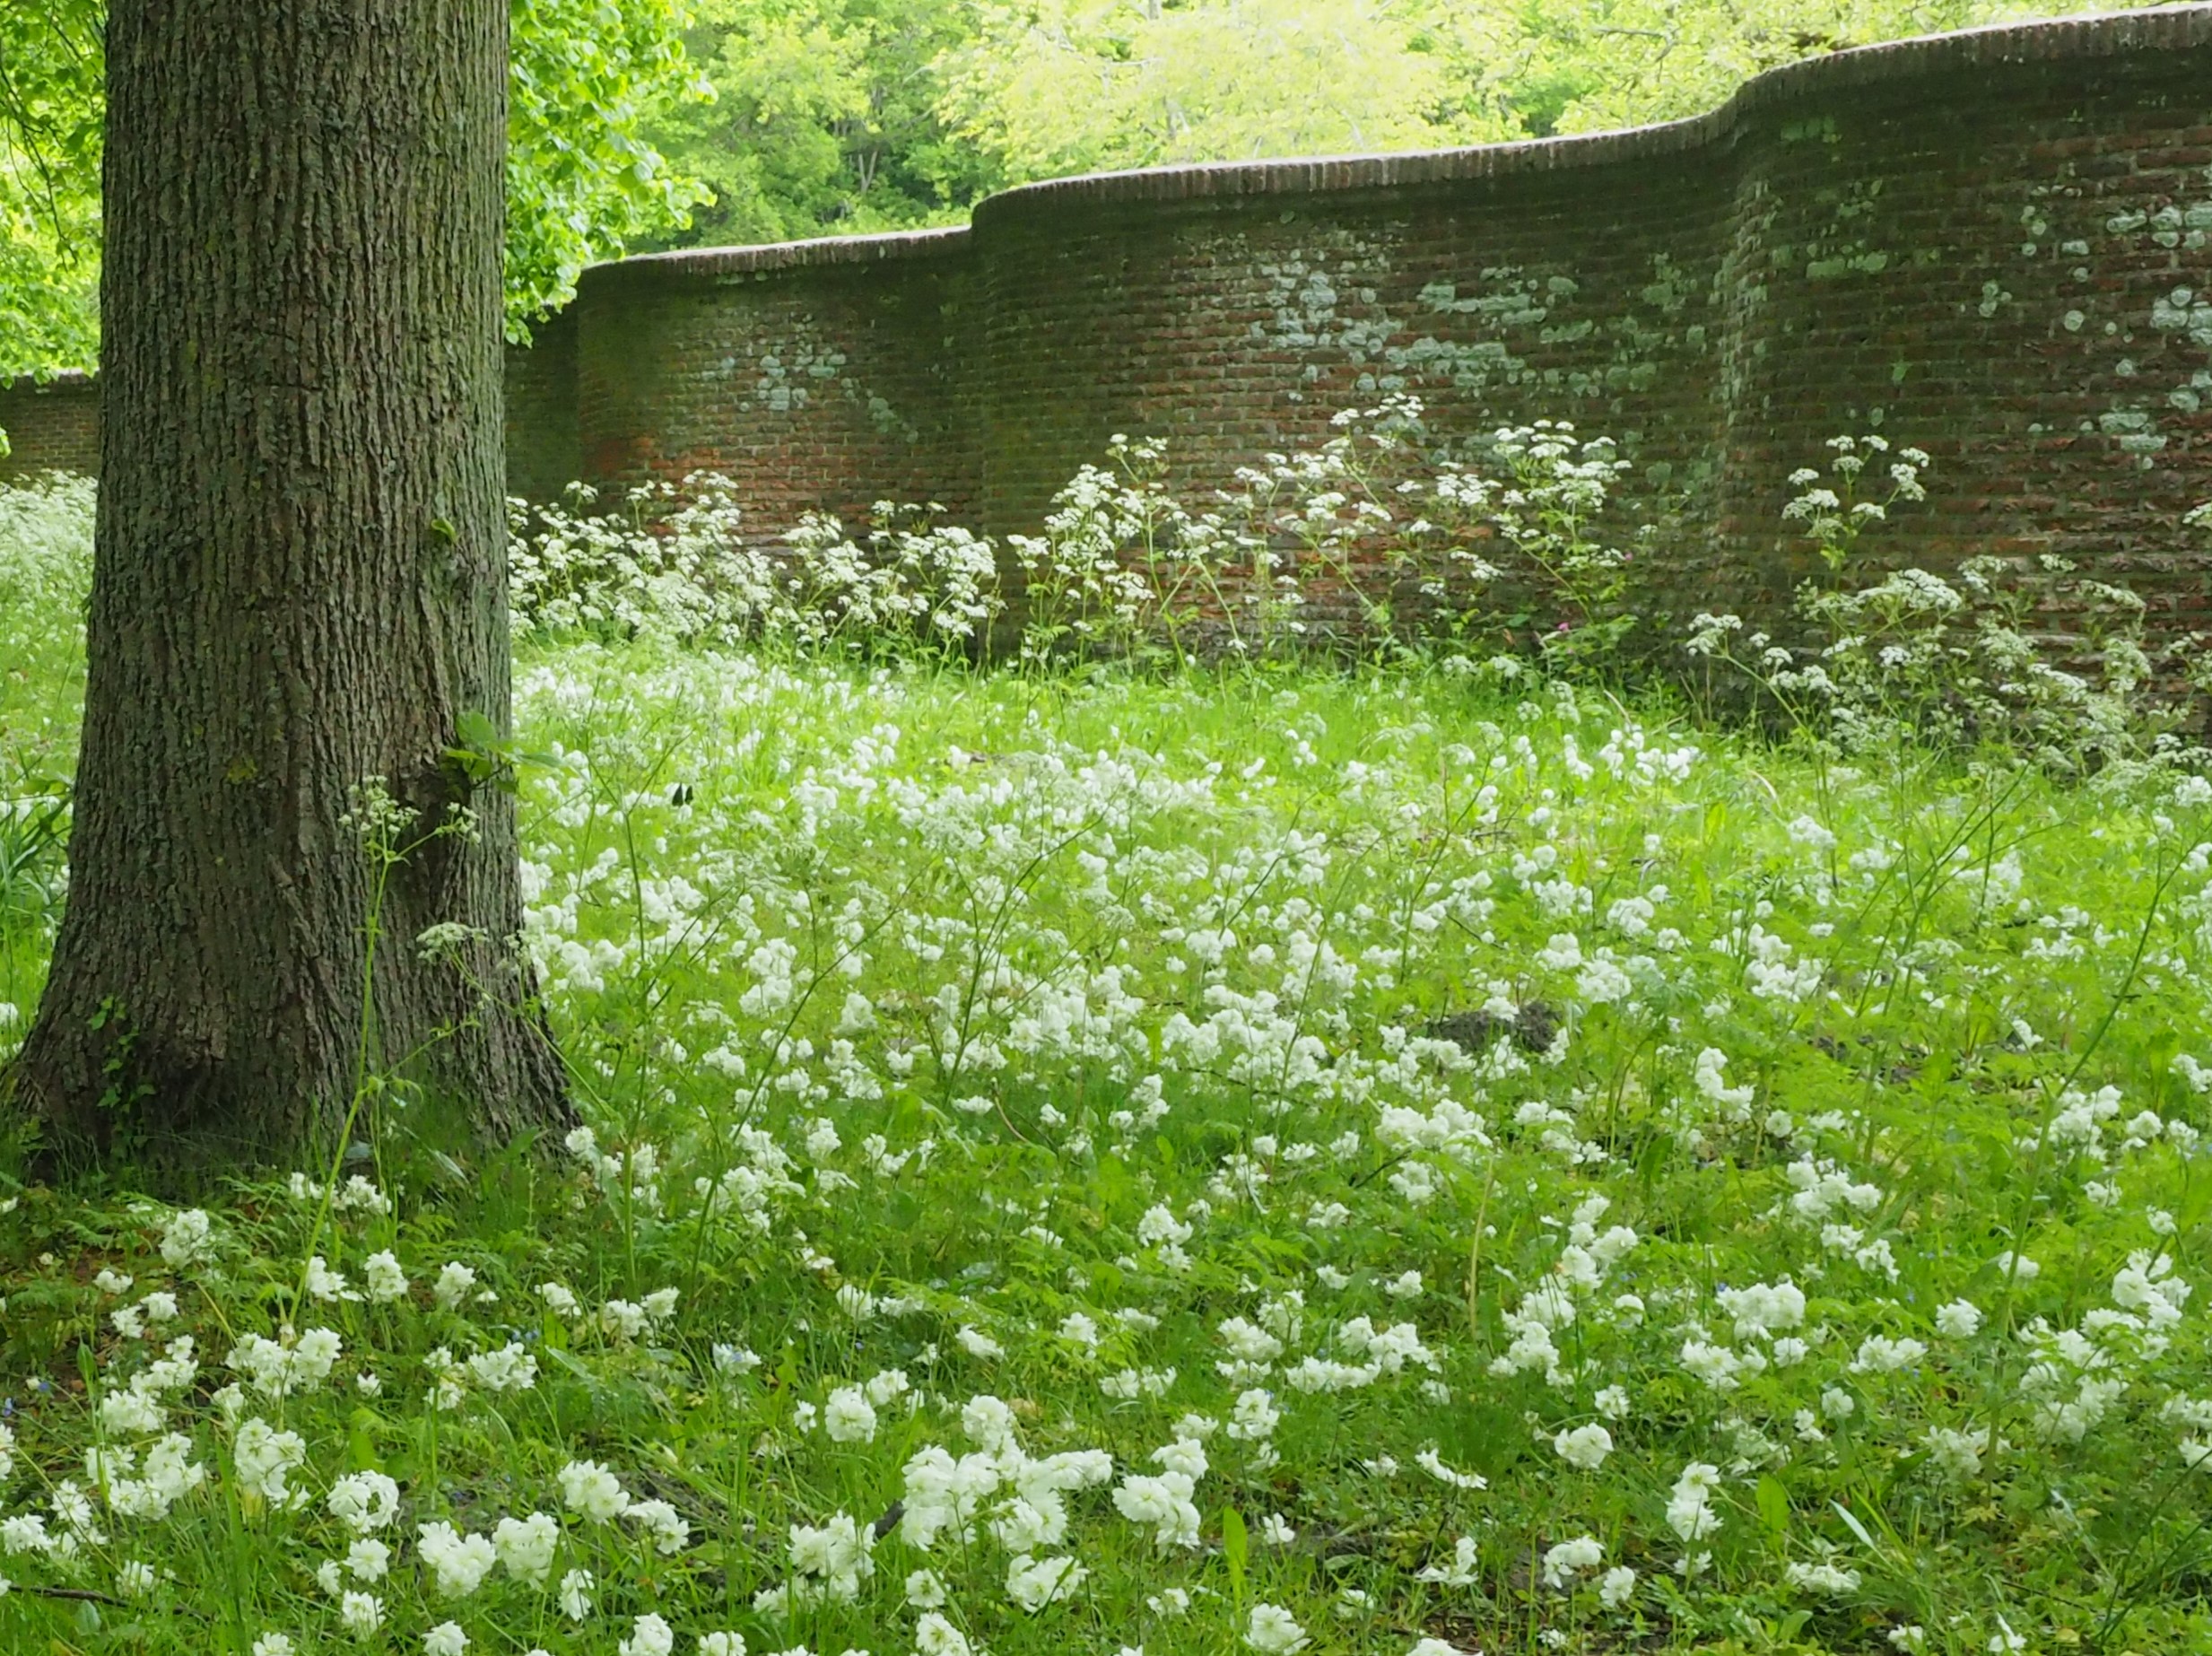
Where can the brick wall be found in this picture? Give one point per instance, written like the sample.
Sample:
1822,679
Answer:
823,376
544,455
1995,244
54,427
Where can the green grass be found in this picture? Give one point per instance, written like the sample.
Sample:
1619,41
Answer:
1369,1078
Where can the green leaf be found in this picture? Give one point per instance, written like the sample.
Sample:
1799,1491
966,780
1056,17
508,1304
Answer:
1773,1502
1852,1523
1235,1547
360,1441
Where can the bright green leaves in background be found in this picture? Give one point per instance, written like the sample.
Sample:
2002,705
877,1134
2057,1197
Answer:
662,123
828,120
1591,66
49,183
840,117
589,82
1073,85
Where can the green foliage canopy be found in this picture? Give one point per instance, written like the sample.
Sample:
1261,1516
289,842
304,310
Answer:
847,116
828,117
589,80
49,183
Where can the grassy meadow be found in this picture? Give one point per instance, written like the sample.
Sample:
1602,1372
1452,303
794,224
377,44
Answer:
1397,1158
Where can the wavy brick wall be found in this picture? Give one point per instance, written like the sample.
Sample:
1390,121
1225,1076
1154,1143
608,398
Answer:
1997,245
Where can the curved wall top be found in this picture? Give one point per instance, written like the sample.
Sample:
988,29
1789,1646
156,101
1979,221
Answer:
1992,244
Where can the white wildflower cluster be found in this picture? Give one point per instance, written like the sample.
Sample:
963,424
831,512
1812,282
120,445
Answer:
1056,1139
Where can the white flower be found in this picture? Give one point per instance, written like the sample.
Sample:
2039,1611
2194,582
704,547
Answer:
669,1531
361,1614
936,1637
1164,1503
1253,1418
1615,1586
1460,1572
364,1501
978,1344
323,1283
1960,1319
1689,1508
575,1595
1568,1559
887,1386
187,1239
1764,1307
273,1644
510,1368
382,1277
588,1488
1586,1447
459,1561
721,1644
1958,1453
454,1284
1880,1354
1830,1579
849,1417
649,1635
1433,1463
277,1368
1034,1582
446,1639
264,1457
526,1547
1273,1631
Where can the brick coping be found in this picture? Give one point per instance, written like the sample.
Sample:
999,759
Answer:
60,379
2107,35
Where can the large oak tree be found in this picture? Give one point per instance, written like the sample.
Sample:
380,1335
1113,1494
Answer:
299,590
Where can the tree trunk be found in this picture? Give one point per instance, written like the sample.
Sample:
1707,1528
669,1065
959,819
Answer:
298,587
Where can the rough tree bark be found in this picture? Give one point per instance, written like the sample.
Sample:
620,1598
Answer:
299,584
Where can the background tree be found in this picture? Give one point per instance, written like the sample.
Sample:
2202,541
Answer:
854,115
49,186
299,588
590,81
1071,86
826,120
1590,65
